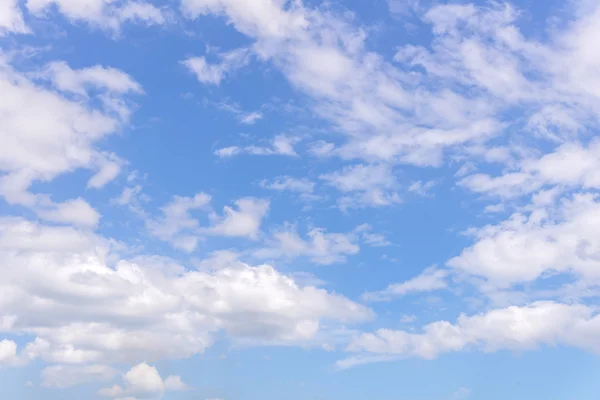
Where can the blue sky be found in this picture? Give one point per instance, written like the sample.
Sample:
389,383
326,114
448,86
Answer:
286,199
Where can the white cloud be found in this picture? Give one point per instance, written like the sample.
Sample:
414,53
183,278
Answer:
264,17
370,238
513,328
226,152
78,81
85,305
280,145
288,183
422,188
369,185
548,170
76,212
108,169
320,246
107,14
139,11
251,118
60,139
243,222
214,73
175,384
143,379
176,225
64,376
366,98
8,352
404,7
11,18
113,391
551,238
130,197
430,280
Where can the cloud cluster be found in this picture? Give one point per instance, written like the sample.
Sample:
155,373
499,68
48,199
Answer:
513,328
177,226
82,304
517,115
63,136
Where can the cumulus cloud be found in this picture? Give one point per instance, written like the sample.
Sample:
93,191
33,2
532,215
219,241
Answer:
84,305
243,222
513,328
144,381
551,238
8,352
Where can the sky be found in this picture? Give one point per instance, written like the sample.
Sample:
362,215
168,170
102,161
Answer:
299,200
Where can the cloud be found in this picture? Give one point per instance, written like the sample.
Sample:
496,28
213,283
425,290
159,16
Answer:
144,381
175,384
291,184
404,7
62,137
176,225
513,328
376,106
214,73
76,212
83,304
320,246
367,185
551,238
430,280
11,18
280,145
65,376
78,81
243,222
105,14
422,188
547,170
370,238
251,118
8,352
109,168
130,197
